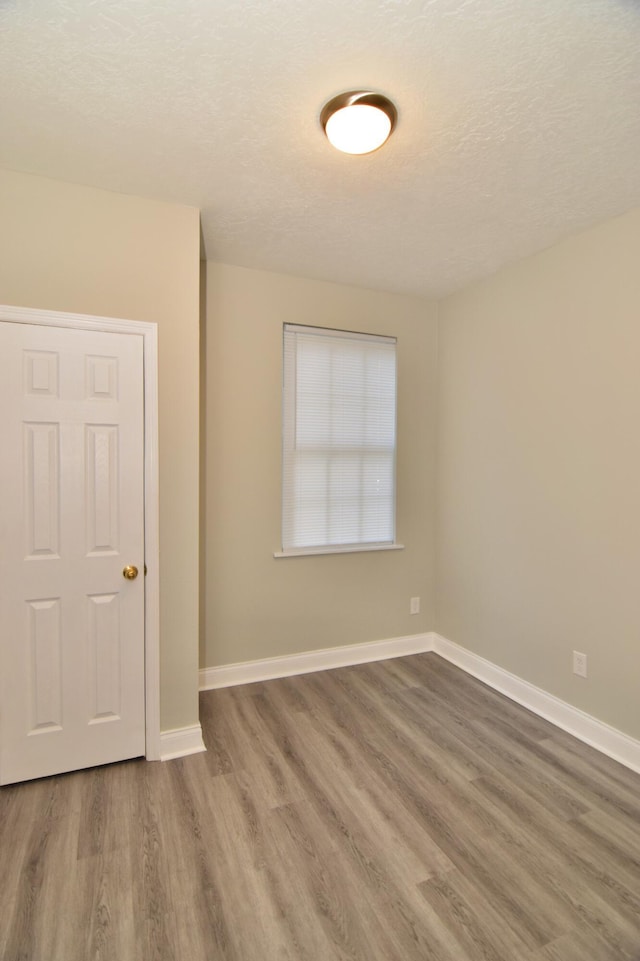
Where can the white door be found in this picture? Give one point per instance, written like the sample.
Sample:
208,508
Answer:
71,520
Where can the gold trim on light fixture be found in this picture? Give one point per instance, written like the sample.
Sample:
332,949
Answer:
359,98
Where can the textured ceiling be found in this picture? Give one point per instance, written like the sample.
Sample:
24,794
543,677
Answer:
519,122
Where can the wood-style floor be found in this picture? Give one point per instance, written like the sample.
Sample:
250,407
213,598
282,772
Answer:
397,811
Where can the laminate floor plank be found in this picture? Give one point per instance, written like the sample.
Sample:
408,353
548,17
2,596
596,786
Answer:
516,888
390,828
581,945
309,898
371,777
408,725
325,881
425,801
566,844
577,890
475,696
213,718
457,825
400,670
402,747
476,923
196,834
592,788
380,723
598,787
174,884
247,900
611,833
20,807
397,811
287,694
490,745
32,914
257,751
375,838
364,915
612,771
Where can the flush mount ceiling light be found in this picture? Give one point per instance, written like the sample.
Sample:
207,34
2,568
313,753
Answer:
358,122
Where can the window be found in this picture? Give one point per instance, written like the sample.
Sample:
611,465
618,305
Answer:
339,441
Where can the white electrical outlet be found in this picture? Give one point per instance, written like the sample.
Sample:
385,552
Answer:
579,664
414,605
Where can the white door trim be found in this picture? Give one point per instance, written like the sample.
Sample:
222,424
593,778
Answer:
149,332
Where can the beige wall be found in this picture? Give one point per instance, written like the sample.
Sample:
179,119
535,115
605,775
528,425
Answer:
257,606
538,523
70,248
538,532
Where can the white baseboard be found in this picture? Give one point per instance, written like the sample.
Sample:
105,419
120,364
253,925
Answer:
608,740
247,672
181,742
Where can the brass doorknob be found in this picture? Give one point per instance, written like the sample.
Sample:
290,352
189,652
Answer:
130,572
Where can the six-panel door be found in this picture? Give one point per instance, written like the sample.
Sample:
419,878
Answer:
71,519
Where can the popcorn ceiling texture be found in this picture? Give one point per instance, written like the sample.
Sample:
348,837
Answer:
519,122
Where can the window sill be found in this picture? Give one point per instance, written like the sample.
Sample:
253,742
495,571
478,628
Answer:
338,549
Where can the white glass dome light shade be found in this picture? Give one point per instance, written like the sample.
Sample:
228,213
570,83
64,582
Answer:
358,128
358,122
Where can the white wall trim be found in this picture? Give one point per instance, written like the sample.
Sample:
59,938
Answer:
181,742
346,549
604,738
608,740
149,333
246,672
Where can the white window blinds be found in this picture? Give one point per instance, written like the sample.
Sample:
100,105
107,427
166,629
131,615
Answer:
339,439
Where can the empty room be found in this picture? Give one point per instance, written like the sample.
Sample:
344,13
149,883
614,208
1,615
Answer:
319,474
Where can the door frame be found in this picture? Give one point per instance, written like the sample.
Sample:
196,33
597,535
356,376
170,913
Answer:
149,333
